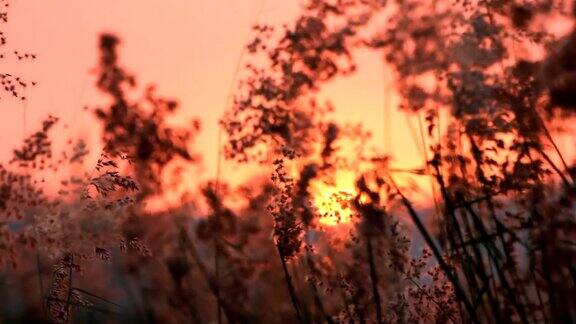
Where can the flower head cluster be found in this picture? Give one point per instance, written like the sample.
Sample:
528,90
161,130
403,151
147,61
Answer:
287,229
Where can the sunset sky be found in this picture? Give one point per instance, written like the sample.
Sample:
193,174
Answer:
190,49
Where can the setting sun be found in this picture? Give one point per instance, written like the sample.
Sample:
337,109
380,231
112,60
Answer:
332,198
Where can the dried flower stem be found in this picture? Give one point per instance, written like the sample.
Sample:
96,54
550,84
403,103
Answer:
291,290
374,280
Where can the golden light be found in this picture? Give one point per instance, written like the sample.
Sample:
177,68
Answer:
333,198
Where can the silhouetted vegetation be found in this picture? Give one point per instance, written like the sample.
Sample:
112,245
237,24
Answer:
495,245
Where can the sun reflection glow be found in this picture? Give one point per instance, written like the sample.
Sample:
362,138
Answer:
333,198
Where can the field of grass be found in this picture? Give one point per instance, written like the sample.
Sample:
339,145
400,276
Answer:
327,231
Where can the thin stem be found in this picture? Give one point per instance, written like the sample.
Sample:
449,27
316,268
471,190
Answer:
40,282
217,276
191,248
69,297
374,280
291,290
315,292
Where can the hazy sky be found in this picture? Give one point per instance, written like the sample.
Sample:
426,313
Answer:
189,48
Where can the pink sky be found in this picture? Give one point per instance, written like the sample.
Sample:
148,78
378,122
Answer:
188,48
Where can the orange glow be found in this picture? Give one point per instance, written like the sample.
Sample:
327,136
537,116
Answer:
333,199
200,73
